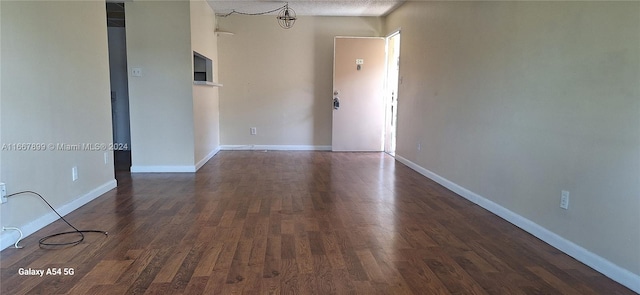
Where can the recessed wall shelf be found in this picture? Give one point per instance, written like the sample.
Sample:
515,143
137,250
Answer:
202,70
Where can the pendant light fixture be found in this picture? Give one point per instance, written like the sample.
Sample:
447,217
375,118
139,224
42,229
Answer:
286,17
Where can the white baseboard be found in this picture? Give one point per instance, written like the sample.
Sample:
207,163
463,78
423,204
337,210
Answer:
207,158
163,169
8,238
276,147
175,169
602,265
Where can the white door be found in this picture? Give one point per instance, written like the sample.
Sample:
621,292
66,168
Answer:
358,84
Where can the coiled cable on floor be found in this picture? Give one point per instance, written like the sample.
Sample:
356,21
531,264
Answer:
43,242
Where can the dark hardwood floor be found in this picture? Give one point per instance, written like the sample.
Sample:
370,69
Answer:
295,223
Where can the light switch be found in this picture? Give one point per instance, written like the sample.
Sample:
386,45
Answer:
136,72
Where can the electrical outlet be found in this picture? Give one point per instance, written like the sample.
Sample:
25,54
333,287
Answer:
564,200
74,173
136,72
3,193
106,158
419,146
253,130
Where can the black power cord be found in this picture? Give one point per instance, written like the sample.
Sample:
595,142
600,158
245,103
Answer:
42,242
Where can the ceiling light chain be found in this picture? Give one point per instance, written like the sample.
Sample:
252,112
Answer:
286,16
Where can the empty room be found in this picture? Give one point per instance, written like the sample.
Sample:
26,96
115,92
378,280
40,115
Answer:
319,147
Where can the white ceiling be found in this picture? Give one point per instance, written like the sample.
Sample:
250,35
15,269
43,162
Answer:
310,7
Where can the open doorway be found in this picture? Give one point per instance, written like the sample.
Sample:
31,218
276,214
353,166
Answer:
391,92
119,85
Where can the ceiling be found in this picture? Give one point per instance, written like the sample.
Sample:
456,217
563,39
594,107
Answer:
310,7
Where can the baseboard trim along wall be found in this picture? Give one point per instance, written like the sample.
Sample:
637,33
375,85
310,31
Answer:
194,168
8,238
163,169
175,169
276,147
609,269
207,158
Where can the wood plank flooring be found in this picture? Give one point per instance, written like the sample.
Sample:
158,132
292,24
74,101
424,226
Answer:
253,222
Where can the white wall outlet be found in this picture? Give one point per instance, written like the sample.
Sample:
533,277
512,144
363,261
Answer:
74,173
3,193
106,158
419,146
136,72
564,200
253,130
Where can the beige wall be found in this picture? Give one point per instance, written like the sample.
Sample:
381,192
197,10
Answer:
55,78
516,101
161,103
280,81
174,124
205,98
